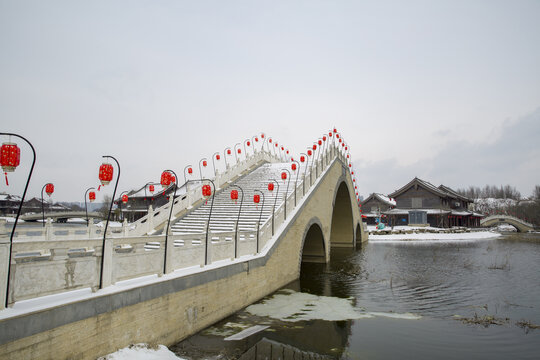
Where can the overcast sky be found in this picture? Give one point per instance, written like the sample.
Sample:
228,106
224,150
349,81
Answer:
445,90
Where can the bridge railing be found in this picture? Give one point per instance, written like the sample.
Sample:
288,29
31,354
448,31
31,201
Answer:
57,263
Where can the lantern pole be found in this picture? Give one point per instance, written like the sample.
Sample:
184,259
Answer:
263,139
245,149
311,167
208,225
287,191
275,202
185,177
42,206
253,138
260,217
120,203
237,220
200,170
304,175
107,223
213,163
236,151
296,182
169,220
325,155
18,211
86,205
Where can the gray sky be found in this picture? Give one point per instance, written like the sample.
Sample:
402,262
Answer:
445,90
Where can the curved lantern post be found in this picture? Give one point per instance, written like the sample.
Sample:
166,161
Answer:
304,158
325,154
216,157
50,190
260,216
285,177
121,201
271,188
86,204
263,140
226,152
108,218
208,224
189,169
248,143
20,207
237,151
170,214
310,153
237,220
295,166
204,164
254,139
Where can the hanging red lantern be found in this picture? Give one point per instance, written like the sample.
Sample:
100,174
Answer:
354,180
348,156
314,147
190,170
270,141
256,139
324,138
105,173
206,191
309,152
350,165
124,198
10,157
302,158
239,151
355,187
49,189
282,148
352,172
166,179
337,136
284,176
270,186
276,144
293,167
218,157
256,198
151,188
262,136
173,179
287,152
204,163
248,143
346,148
92,196
320,142
335,130
330,134
234,194
342,144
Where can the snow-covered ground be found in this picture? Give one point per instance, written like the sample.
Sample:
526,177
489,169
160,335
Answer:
427,237
142,352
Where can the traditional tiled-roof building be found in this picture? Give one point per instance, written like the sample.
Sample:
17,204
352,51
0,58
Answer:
374,206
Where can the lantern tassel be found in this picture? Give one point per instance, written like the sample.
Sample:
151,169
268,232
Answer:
7,183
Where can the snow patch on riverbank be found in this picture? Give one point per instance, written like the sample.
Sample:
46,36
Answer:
142,352
427,237
292,306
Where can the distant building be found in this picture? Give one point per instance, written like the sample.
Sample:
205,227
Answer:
9,204
375,205
422,203
139,200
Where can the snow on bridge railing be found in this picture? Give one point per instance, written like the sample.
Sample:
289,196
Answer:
56,263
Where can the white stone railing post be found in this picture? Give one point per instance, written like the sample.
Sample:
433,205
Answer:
169,266
150,220
107,253
4,266
49,233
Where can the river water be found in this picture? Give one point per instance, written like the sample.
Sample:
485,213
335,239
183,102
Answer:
474,299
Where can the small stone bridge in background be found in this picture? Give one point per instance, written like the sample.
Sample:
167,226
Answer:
61,216
519,224
161,287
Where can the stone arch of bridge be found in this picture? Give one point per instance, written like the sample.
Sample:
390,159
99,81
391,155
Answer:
505,220
342,230
358,234
313,243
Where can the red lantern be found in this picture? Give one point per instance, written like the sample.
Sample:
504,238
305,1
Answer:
346,148
354,180
302,158
347,156
340,140
124,198
287,152
234,194
270,186
190,171
256,199
352,172
256,139
270,141
284,176
173,179
229,152
10,157
204,163
342,144
92,196
335,130
324,138
314,147
248,143
337,135
49,189
330,134
320,142
166,179
355,187
151,188
239,151
218,157
350,165
105,173
282,148
206,191
293,167
309,152
276,144
262,136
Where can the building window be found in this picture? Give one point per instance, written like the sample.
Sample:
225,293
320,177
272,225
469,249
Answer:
416,203
417,217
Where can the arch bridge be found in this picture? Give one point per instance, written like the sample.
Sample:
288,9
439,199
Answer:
519,224
217,257
61,216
